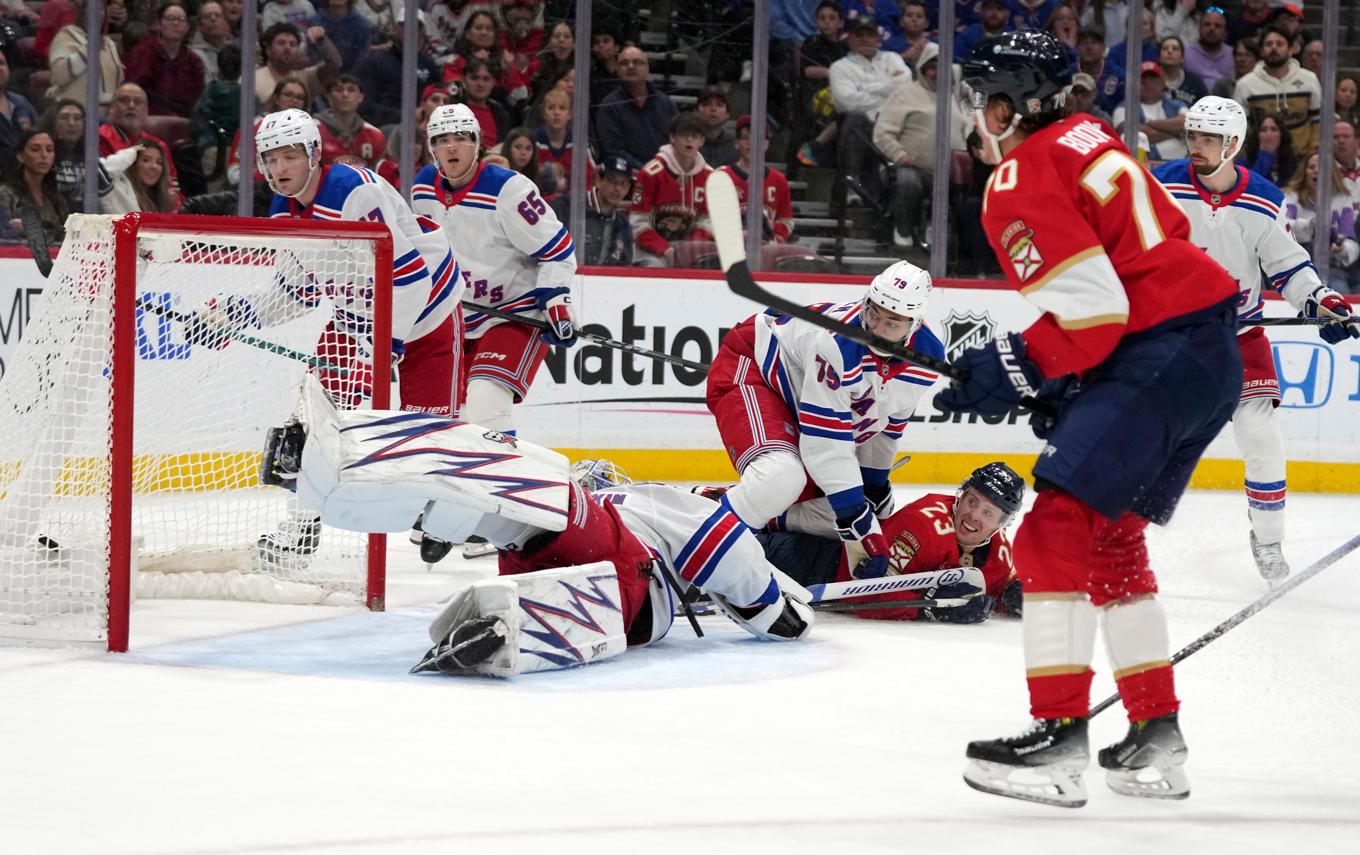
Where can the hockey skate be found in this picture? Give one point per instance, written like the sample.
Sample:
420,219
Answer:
1270,560
1043,763
476,547
1148,761
291,547
469,644
432,549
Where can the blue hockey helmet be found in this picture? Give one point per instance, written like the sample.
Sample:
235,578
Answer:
1000,485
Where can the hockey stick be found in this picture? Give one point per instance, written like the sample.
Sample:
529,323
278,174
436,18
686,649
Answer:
36,236
888,584
247,338
834,607
1204,640
592,337
1288,322
725,211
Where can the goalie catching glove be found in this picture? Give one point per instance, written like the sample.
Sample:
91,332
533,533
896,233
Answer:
1326,303
556,306
866,550
218,321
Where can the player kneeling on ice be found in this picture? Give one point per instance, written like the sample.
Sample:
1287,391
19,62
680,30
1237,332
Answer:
805,412
935,532
589,564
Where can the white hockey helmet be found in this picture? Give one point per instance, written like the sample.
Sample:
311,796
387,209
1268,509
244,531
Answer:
283,129
1222,117
903,289
452,119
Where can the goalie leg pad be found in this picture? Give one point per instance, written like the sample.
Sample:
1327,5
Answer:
545,620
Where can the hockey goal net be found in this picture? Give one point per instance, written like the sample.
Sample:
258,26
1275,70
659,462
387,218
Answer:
130,442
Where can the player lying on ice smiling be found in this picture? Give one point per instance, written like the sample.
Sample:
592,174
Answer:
589,564
934,532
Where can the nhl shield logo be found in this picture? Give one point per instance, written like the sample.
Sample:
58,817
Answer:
964,330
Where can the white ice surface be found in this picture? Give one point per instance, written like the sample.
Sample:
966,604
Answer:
288,729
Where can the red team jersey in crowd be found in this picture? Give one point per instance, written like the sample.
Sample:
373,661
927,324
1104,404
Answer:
778,199
921,539
1101,275
669,204
367,145
112,139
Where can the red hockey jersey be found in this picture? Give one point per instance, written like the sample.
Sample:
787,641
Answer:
362,146
921,539
668,202
778,201
1094,242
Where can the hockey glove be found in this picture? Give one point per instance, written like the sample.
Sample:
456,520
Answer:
866,550
998,376
881,499
1326,303
1013,598
561,319
215,323
1059,392
974,612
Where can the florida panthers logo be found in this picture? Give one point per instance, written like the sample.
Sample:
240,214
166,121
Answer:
1018,242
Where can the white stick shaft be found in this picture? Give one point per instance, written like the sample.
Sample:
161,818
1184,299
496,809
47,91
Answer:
889,584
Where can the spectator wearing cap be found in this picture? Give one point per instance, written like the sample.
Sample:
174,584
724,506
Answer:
211,34
1279,84
1081,98
1209,56
905,135
608,238
1184,86
346,29
284,56
720,145
860,86
1091,61
994,18
778,207
345,136
163,65
1289,18
1249,21
1111,23
1160,116
552,141
1246,53
380,71
668,198
17,116
633,120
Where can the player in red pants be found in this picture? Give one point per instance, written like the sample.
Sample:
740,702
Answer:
1145,372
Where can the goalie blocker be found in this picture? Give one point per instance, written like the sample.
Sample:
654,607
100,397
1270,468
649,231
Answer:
583,575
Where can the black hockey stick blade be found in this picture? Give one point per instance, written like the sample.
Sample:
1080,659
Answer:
853,606
589,336
36,236
1287,322
1207,638
725,211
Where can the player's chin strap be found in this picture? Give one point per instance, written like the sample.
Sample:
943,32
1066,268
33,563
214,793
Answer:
991,140
1228,156
312,167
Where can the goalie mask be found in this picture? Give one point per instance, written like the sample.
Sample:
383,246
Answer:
284,129
600,474
1029,69
1220,117
896,302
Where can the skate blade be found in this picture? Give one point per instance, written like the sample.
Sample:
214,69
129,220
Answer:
1046,785
478,550
1150,782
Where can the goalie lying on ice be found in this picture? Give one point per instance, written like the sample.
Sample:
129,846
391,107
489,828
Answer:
590,563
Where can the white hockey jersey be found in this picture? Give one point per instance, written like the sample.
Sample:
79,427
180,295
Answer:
426,285
512,250
1247,232
852,406
699,541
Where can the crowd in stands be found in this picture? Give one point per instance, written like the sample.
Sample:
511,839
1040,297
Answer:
852,88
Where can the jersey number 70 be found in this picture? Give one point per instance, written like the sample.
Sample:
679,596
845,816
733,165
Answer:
1099,180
